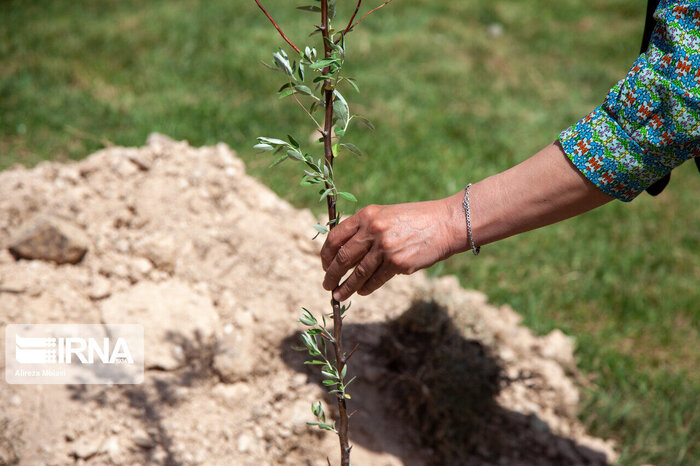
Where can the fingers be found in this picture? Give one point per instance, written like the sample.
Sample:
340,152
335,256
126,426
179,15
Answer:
336,238
349,255
363,271
382,275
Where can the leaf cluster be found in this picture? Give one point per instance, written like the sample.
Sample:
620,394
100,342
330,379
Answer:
318,90
315,340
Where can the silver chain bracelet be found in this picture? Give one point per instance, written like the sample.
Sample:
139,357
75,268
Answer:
465,205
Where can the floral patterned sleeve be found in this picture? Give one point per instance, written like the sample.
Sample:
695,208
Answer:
649,122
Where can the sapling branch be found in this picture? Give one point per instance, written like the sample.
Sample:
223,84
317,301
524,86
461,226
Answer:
352,18
294,94
367,14
277,27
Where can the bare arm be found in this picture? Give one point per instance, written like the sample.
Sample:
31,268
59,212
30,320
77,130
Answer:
382,241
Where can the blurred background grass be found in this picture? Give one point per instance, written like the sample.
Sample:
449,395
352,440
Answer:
458,91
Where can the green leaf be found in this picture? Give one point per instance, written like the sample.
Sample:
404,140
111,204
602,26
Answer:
334,149
344,371
309,180
308,315
269,66
263,147
365,121
325,194
310,8
320,228
310,162
278,161
293,141
341,109
273,141
324,62
309,53
322,426
282,62
304,90
346,395
347,196
352,148
301,71
339,131
295,154
314,361
329,383
286,93
353,83
306,321
328,374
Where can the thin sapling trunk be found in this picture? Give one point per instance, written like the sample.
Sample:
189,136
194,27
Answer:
322,94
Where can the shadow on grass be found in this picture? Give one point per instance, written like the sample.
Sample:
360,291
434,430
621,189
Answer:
427,395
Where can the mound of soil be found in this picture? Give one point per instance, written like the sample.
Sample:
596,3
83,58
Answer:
216,268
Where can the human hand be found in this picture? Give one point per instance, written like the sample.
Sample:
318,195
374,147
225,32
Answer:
383,241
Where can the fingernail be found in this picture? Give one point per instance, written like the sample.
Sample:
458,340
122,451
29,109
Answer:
336,296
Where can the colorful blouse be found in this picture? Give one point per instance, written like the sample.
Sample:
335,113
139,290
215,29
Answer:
649,122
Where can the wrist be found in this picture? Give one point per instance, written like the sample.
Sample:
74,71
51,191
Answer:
455,224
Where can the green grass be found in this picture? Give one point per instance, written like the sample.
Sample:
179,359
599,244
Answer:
451,104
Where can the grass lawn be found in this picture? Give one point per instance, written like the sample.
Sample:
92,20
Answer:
453,102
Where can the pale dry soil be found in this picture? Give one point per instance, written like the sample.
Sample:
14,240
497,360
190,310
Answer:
216,268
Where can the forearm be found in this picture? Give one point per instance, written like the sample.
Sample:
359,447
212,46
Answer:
382,241
544,189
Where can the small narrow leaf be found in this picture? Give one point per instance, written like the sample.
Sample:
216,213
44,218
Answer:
310,8
304,90
325,194
263,147
269,66
306,321
293,141
340,109
321,229
286,93
282,62
273,141
309,180
347,196
365,121
295,154
353,83
278,161
352,148
320,64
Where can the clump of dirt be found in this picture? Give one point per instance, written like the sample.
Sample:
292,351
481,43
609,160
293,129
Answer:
216,268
